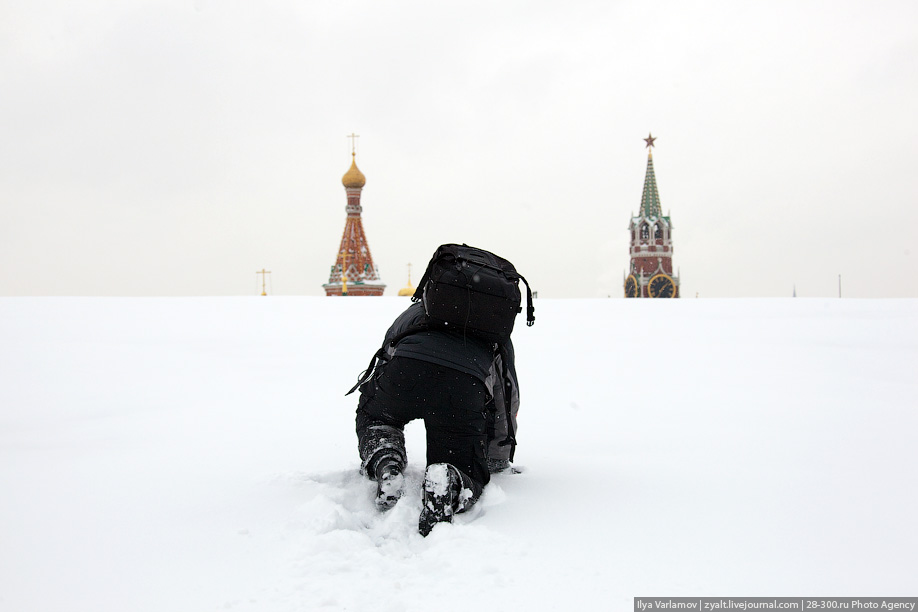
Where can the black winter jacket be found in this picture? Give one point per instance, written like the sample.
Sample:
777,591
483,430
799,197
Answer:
468,354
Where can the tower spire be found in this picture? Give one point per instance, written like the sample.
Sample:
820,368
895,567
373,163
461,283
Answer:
651,251
650,198
354,272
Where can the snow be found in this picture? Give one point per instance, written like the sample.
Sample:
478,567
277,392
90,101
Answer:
199,454
436,479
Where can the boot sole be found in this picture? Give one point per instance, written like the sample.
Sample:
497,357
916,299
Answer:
438,498
389,490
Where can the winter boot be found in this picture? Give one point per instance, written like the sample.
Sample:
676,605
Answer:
442,487
390,482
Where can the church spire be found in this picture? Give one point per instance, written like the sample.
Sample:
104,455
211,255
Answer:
650,199
354,272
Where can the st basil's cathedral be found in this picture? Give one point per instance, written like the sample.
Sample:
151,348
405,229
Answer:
354,273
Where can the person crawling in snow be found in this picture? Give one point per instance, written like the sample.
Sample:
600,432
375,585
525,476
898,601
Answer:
463,385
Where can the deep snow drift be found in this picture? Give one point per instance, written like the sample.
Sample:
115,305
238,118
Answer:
199,454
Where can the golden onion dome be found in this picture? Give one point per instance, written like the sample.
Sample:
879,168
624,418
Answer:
354,178
409,289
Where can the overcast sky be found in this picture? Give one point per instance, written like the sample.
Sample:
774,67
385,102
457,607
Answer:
176,147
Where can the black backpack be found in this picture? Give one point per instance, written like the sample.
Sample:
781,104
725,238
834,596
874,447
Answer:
473,291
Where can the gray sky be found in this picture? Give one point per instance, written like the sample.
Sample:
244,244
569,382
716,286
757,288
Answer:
176,147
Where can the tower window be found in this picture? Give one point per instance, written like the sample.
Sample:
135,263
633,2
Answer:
645,232
657,232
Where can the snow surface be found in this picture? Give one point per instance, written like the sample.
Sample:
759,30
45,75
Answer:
199,454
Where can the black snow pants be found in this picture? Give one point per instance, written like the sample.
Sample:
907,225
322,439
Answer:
452,405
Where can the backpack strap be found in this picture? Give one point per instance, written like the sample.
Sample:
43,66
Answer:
381,354
508,390
365,375
419,292
530,309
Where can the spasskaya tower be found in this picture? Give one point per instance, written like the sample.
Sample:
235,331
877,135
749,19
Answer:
651,269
